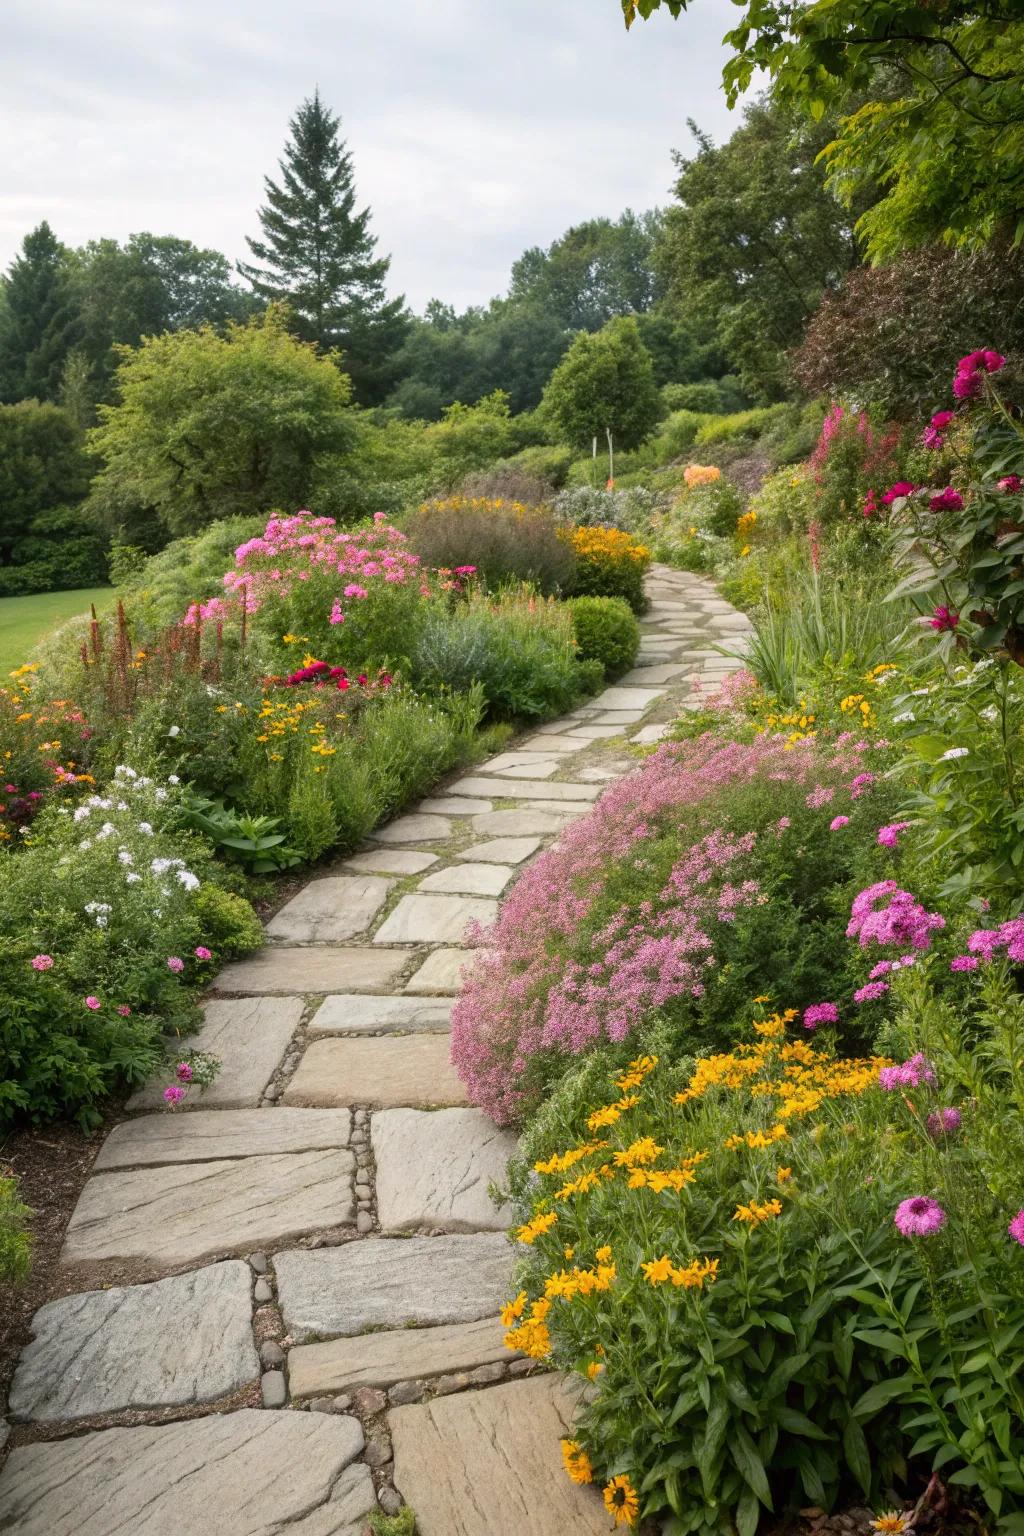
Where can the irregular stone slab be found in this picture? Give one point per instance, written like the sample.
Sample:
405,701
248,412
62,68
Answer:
479,1463
628,698
652,733
567,811
208,1134
560,744
406,1069
527,823
163,1218
511,790
414,829
621,717
607,775
392,861
433,1170
665,673
471,879
434,919
440,972
598,732
534,765
392,1282
451,805
181,1341
381,1359
276,970
249,1473
501,850
351,1014
556,727
250,1036
330,911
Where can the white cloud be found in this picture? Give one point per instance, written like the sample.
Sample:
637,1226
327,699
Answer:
478,127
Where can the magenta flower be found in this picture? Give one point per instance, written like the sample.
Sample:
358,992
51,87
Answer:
915,1073
202,953
820,1013
173,1093
1010,484
870,506
881,969
901,488
901,921
183,1072
92,1002
964,963
943,1122
175,964
871,992
860,783
946,501
337,617
837,822
42,963
1016,1228
966,386
355,590
889,836
941,420
919,1217
124,1010
944,618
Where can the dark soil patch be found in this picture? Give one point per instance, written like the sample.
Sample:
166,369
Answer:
51,1164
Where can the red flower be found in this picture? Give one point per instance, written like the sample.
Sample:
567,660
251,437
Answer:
901,488
946,501
944,619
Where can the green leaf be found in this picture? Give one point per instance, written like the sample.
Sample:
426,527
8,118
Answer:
858,1457
748,1513
709,1455
750,1465
881,1393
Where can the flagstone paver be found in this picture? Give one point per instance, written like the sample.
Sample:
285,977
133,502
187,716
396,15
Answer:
501,850
489,1464
188,1340
356,1014
392,861
432,919
276,969
164,1218
441,971
381,1359
390,1070
469,879
248,1036
433,1170
322,1200
392,1282
330,911
206,1135
240,1474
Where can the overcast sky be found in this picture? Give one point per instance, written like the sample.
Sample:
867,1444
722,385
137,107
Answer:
478,127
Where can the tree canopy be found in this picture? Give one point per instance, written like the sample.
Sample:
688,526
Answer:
605,381
38,319
210,426
317,254
929,97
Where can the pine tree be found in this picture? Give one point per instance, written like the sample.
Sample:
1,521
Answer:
318,255
38,319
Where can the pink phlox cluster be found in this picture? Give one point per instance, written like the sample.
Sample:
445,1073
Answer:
919,1217
902,921
987,942
537,986
916,1073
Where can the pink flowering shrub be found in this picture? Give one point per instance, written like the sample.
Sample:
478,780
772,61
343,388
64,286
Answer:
353,596
684,892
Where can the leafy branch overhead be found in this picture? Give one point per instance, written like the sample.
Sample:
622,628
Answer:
929,100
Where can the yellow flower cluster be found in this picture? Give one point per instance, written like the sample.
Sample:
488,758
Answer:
701,474
577,1462
561,1162
621,1500
601,544
755,1213
609,1113
635,1073
857,703
531,1336
570,1283
659,1271
745,526
536,1228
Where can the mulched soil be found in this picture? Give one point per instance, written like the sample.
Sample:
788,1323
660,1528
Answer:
51,1165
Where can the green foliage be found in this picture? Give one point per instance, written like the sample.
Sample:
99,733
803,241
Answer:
550,463
504,540
606,631
605,381
317,254
470,437
609,563
942,130
228,921
593,273
752,424
707,397
15,1243
61,548
210,426
402,1524
161,588
251,841
42,466
519,648
38,323
755,241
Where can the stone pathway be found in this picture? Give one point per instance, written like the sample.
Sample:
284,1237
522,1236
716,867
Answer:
285,1307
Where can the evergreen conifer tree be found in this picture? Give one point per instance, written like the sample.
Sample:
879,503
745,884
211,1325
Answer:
38,319
317,255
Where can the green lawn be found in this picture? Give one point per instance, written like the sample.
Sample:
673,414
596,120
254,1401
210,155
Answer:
25,620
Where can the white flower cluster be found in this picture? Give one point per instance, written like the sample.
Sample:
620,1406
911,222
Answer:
100,910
